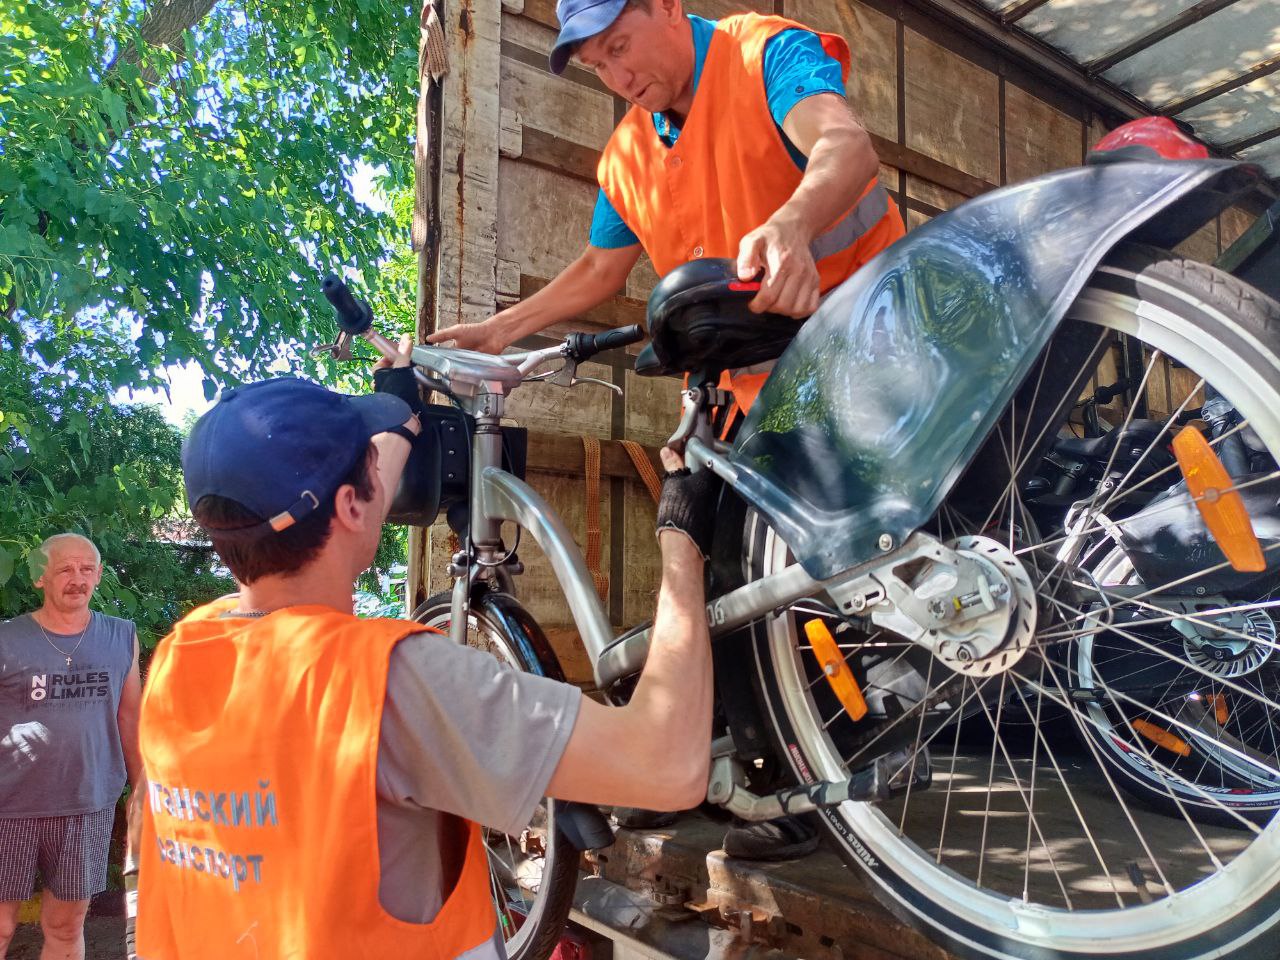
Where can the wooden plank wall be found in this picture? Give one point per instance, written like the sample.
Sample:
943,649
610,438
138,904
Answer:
949,118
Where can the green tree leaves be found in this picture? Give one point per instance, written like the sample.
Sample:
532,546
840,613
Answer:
173,183
199,187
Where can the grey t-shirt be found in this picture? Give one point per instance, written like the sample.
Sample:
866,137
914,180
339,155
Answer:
463,735
60,750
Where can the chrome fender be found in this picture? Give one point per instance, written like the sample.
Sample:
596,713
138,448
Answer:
886,394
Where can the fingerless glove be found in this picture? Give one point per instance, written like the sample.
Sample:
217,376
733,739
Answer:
688,505
399,382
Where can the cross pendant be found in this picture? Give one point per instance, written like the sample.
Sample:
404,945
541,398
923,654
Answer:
68,662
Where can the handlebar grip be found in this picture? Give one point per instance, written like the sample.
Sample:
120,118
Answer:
1104,395
354,315
585,345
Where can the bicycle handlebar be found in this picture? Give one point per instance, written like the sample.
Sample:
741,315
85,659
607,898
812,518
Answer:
356,320
583,346
354,315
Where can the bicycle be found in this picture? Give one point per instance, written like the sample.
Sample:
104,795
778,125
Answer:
881,580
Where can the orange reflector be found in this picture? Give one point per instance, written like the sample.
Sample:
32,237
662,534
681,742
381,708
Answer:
1220,710
1221,508
1162,737
834,668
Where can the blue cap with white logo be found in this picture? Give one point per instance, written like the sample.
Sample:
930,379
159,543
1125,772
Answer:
281,447
579,20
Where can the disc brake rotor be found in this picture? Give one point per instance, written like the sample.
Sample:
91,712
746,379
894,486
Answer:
1231,656
1007,633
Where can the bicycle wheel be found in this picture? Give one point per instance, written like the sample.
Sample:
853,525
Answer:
1029,844
533,875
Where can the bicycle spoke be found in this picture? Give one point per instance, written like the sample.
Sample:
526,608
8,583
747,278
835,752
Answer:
1064,701
1198,669
1071,798
1017,782
1147,514
1197,617
1244,822
1169,791
911,758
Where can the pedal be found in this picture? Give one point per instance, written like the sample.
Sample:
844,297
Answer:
907,769
891,775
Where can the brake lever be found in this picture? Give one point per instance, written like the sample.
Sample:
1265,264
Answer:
694,421
567,376
340,349
603,383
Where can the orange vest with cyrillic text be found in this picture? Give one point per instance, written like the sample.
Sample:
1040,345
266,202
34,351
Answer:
730,170
260,840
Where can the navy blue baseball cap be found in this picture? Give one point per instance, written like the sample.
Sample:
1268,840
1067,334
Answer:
580,19
281,448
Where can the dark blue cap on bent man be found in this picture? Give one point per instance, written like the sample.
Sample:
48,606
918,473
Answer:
282,447
579,20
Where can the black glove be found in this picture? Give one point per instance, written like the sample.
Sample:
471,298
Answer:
688,505
399,382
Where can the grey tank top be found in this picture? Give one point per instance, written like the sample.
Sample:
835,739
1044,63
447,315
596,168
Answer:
60,748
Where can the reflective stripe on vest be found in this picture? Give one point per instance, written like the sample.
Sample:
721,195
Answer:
855,224
260,838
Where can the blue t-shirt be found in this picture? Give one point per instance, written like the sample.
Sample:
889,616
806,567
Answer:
795,67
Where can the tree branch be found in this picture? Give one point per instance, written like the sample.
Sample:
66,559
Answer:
166,21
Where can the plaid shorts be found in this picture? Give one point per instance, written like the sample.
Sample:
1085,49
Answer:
70,853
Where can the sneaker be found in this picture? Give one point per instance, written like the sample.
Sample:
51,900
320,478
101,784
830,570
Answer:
634,818
787,838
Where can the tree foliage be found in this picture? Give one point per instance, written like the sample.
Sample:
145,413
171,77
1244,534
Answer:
174,180
187,197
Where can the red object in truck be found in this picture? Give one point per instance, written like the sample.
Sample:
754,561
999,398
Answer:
571,947
1157,133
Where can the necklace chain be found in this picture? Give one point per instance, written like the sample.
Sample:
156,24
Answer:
79,640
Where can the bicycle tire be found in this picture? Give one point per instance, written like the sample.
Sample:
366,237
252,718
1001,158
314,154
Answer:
1207,320
515,638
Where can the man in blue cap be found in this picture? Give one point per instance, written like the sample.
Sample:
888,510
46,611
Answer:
374,751
739,144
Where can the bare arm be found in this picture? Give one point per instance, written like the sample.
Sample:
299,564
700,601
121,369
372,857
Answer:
127,723
841,163
654,752
127,720
393,449
589,281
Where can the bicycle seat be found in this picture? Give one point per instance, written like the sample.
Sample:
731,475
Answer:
698,320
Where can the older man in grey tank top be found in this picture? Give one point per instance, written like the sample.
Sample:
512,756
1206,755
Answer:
69,695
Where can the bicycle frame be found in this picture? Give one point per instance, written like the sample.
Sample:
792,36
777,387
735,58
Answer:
497,496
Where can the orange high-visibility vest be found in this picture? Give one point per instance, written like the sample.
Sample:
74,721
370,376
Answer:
260,743
730,170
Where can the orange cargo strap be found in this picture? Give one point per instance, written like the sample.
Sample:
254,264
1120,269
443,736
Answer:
644,467
591,456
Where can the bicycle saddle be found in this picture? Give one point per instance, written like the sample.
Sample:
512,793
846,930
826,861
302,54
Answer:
698,320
